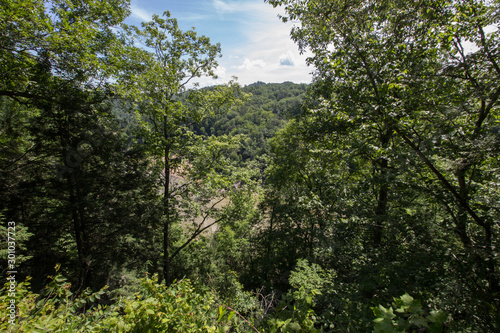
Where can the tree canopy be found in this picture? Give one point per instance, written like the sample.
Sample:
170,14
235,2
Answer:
132,199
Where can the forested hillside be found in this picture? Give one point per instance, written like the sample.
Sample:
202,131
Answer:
267,108
133,200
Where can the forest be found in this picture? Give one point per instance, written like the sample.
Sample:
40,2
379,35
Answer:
134,200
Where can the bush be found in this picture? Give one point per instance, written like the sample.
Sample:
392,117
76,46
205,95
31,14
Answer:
57,310
158,308
180,307
407,316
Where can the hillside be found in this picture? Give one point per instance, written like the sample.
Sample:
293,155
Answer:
132,200
266,111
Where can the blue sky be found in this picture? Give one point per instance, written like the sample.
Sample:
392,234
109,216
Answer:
255,43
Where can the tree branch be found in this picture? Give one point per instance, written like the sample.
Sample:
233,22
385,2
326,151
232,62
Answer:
462,202
21,157
488,54
199,229
195,234
483,114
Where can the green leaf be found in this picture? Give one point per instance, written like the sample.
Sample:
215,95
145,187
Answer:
418,321
407,299
222,311
437,316
292,327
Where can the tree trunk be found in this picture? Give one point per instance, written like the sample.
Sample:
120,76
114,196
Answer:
77,213
383,192
462,221
166,208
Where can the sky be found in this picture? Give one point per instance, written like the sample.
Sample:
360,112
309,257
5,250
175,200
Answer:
256,44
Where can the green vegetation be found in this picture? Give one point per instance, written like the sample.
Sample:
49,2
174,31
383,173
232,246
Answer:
367,201
267,109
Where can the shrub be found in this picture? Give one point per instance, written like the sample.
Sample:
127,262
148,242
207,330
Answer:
408,315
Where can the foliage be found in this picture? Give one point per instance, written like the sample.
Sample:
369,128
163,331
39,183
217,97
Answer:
20,235
58,310
63,39
296,313
258,117
405,120
166,109
298,207
64,164
411,317
180,307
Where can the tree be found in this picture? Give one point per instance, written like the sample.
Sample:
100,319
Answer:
427,74
59,57
169,65
61,38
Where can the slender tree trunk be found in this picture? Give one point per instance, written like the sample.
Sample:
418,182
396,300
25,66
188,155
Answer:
77,213
383,192
166,208
72,163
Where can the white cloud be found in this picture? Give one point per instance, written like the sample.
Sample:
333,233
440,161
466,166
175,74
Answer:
140,13
267,40
223,7
221,74
287,59
252,64
258,46
226,7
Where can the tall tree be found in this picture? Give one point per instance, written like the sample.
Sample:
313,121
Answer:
169,104
427,73
58,58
